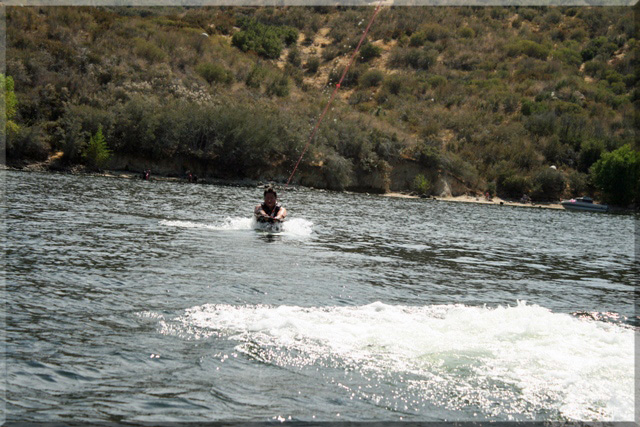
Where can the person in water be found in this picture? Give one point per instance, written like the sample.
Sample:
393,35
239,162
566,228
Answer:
270,210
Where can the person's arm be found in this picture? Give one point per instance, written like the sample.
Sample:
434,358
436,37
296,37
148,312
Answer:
259,212
282,213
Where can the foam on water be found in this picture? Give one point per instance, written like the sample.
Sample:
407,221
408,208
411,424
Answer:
292,227
515,360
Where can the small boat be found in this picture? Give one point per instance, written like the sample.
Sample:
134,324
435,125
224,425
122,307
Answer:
583,204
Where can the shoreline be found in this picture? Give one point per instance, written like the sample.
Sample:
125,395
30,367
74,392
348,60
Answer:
257,183
479,200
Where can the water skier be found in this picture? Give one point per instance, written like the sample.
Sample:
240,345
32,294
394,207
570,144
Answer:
270,211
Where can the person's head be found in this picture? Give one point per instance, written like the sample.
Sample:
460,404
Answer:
270,197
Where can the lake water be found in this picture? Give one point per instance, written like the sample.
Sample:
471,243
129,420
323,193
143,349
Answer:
136,301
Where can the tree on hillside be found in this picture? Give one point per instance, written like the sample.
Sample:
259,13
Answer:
11,103
97,154
617,175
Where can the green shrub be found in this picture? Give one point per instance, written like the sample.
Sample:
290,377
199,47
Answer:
417,39
466,33
256,76
279,86
29,142
595,68
71,139
10,104
312,65
528,14
541,124
498,13
394,83
617,175
421,185
338,172
350,79
465,61
578,34
359,96
371,78
149,51
294,57
571,129
435,32
459,168
548,184
510,183
568,56
578,183
387,147
214,73
97,153
370,51
513,186
598,46
330,52
436,81
429,155
590,152
491,188
553,16
265,40
528,48
417,58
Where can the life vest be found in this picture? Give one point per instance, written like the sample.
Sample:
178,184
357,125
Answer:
272,213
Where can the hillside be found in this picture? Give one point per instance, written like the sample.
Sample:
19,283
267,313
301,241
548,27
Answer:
468,98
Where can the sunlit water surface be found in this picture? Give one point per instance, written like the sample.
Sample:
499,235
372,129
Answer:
133,301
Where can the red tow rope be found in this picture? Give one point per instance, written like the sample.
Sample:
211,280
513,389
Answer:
333,94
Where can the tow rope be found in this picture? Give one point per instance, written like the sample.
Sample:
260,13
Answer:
335,90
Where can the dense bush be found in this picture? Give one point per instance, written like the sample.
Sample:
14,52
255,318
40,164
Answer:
338,172
421,185
256,76
510,183
568,56
548,185
371,78
466,33
590,152
149,51
312,65
278,86
417,58
598,46
394,83
429,155
617,175
265,40
435,32
293,57
370,51
27,143
214,73
578,183
350,78
528,48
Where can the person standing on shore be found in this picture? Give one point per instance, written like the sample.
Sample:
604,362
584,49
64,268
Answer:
270,210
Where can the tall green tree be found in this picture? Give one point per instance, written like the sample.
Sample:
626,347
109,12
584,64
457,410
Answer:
617,175
11,103
97,153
